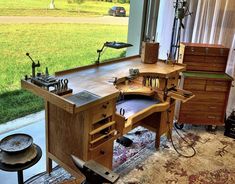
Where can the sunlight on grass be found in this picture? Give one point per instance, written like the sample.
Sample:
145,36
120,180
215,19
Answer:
56,46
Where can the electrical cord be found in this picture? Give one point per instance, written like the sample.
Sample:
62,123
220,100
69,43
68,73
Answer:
172,142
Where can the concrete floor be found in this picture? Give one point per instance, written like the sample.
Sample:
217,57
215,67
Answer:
37,131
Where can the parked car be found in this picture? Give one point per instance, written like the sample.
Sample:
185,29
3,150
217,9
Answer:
117,11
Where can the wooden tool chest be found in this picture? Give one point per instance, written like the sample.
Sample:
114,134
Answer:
206,78
204,57
211,92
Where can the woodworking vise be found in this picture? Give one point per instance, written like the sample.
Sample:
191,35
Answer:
94,172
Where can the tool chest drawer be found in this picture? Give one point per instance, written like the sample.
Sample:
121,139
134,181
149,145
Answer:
201,118
210,97
102,111
219,86
207,107
192,50
194,84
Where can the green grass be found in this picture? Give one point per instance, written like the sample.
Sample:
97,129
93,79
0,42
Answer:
63,8
18,103
57,46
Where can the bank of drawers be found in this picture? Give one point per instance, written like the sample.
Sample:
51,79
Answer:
204,57
101,111
209,104
102,127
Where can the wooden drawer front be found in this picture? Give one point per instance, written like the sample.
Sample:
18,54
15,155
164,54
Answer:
202,107
201,118
220,86
206,66
217,51
215,59
211,97
194,84
102,134
102,111
193,59
195,51
103,154
101,150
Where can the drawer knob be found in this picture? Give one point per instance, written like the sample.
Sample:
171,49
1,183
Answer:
104,106
102,152
104,115
211,117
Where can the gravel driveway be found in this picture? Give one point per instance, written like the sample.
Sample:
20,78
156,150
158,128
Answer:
78,20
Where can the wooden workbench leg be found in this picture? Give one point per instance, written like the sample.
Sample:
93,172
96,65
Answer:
48,165
48,160
157,140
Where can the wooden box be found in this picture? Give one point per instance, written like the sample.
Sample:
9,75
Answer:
149,52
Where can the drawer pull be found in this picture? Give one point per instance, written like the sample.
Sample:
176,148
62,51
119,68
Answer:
104,115
104,106
102,152
211,117
212,107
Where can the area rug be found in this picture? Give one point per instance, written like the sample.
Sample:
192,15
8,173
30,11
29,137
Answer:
214,162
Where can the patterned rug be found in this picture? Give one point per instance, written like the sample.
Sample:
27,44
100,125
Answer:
214,162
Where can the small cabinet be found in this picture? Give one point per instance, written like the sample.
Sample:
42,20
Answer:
211,92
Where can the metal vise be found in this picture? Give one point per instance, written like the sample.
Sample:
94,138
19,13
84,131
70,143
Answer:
94,172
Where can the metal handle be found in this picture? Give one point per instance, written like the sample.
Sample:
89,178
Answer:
104,115
104,106
102,152
211,117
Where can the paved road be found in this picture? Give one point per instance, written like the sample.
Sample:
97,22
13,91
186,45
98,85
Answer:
91,20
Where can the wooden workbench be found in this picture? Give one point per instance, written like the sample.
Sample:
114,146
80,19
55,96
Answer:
88,131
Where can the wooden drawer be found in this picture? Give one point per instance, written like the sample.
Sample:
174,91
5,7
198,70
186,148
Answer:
216,59
206,66
102,111
202,107
193,59
211,97
102,134
103,149
194,84
190,50
219,86
201,118
103,154
217,51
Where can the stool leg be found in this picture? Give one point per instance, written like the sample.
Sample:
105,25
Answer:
20,177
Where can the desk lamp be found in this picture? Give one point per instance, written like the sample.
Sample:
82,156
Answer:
114,45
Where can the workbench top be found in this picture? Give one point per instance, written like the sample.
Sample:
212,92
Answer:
98,79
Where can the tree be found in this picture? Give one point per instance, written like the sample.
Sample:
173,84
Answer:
52,5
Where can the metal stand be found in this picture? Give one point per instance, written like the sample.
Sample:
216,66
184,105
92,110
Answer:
181,11
20,177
